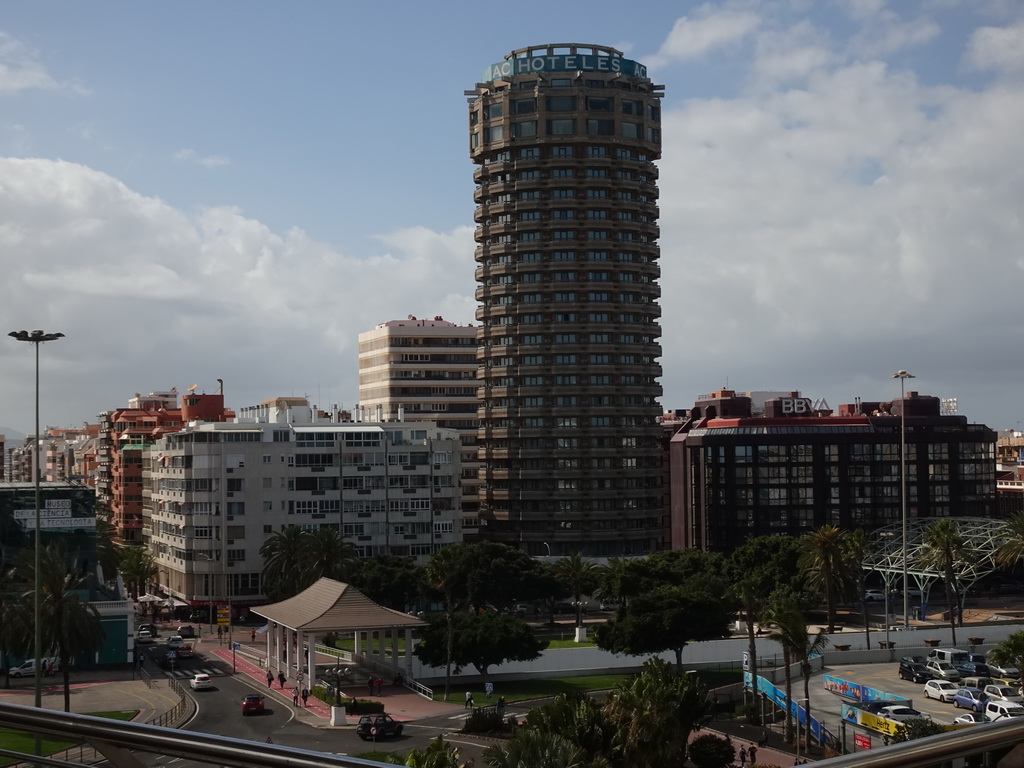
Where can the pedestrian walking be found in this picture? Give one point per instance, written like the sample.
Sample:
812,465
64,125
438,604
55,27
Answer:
380,687
469,700
270,679
252,635
743,756
371,685
305,695
281,679
499,707
295,696
752,754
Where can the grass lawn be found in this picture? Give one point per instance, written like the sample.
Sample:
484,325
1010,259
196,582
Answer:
519,690
20,741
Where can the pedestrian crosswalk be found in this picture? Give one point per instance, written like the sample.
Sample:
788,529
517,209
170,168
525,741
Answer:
188,674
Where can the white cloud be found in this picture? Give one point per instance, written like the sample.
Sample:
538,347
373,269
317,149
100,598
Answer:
150,297
207,161
709,28
997,48
19,67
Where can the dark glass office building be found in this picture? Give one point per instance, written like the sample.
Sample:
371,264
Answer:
564,138
798,466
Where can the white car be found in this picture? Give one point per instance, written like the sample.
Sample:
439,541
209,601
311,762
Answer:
943,690
1003,693
971,718
145,637
899,713
201,682
874,595
997,710
175,643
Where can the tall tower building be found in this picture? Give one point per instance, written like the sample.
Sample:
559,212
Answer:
565,138
421,369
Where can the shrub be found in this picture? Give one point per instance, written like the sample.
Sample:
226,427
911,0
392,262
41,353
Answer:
352,706
483,720
710,751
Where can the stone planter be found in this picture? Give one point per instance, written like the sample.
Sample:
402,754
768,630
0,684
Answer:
976,640
932,643
886,645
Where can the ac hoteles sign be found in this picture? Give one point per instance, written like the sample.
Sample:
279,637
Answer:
526,65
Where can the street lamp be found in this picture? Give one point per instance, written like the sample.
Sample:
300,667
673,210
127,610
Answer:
903,376
37,338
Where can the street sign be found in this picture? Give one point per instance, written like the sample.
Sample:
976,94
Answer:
746,661
862,741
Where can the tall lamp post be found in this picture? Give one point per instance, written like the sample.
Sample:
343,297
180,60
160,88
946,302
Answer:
37,338
903,376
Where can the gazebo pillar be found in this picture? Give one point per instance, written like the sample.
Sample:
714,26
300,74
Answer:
311,661
395,665
358,646
408,653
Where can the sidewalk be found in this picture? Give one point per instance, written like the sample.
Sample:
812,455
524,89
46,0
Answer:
399,702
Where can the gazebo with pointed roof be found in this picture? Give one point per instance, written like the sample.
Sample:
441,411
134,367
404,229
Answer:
329,606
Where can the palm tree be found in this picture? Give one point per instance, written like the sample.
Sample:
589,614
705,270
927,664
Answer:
445,573
1011,550
654,714
108,553
438,754
777,614
825,567
580,575
1010,652
138,568
533,748
282,554
326,554
614,585
70,624
578,718
856,547
15,623
944,546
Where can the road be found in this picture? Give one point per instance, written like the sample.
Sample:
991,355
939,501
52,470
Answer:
219,712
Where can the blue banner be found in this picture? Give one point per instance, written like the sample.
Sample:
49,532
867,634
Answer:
778,697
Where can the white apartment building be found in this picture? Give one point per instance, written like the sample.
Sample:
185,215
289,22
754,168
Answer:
217,490
421,369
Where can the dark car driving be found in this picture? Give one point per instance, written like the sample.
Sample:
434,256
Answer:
914,672
378,726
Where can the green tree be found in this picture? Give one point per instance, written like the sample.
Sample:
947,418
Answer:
138,569
389,580
446,575
856,548
756,569
580,575
826,567
579,719
918,728
944,546
1011,550
665,618
438,754
282,562
108,553
777,613
614,584
654,713
15,622
536,750
480,639
710,751
325,555
1010,652
70,624
499,576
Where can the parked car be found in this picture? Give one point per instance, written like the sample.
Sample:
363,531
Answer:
151,628
976,682
915,673
253,705
914,660
970,718
145,637
28,668
1004,693
175,643
874,596
186,630
377,726
943,690
1010,673
203,682
972,669
998,710
943,669
970,698
899,712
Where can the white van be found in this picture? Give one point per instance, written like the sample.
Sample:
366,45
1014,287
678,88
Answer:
28,668
953,656
997,710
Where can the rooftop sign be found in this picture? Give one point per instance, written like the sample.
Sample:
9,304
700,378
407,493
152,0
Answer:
526,65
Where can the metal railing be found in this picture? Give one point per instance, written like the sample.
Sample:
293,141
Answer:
114,739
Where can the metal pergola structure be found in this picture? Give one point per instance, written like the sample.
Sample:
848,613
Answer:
982,537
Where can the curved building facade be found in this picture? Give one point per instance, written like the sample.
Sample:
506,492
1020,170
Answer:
565,137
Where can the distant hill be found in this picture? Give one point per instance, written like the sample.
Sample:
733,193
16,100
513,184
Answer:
12,436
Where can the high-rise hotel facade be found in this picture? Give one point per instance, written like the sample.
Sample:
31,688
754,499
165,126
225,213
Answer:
565,138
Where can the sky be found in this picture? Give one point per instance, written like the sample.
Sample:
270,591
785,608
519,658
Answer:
195,191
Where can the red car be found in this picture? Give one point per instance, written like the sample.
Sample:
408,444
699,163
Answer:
252,705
